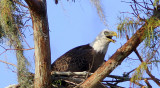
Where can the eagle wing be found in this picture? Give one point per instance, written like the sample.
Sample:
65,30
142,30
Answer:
77,59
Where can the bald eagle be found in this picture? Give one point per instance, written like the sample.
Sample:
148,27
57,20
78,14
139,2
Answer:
86,57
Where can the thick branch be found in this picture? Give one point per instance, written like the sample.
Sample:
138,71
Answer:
117,57
35,5
38,11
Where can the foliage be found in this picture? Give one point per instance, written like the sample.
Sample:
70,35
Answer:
57,83
155,3
1,32
11,23
6,18
137,76
143,14
97,4
128,26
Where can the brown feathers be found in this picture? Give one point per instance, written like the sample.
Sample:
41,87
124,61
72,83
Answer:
82,58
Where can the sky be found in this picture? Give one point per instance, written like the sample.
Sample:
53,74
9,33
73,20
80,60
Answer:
73,24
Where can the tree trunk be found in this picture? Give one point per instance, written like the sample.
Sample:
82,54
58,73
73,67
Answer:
119,55
38,11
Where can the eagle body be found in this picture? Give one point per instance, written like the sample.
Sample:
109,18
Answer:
86,57
81,58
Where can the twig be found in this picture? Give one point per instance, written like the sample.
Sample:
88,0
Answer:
148,84
13,86
118,78
138,55
151,2
3,47
141,5
157,81
114,86
76,77
127,74
14,49
8,63
71,73
139,84
3,52
22,37
20,4
77,80
71,82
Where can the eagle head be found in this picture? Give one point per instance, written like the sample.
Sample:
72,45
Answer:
109,34
100,44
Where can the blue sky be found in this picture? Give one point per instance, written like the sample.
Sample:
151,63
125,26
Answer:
73,24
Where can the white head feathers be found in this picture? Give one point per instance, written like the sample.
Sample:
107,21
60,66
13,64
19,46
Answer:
100,44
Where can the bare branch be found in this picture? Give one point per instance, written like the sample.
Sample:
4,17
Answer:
3,52
8,63
23,37
15,49
148,84
71,79
13,86
114,86
145,7
71,73
20,3
127,74
157,81
142,86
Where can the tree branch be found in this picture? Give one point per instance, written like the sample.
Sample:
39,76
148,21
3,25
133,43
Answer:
22,37
35,5
148,84
71,73
114,86
142,86
118,79
147,70
8,63
118,56
38,12
13,49
79,75
20,3
157,81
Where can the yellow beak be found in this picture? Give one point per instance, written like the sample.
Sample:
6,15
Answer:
113,34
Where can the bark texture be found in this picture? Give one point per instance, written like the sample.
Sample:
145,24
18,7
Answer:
38,11
118,56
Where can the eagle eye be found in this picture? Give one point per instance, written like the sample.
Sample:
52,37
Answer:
106,32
